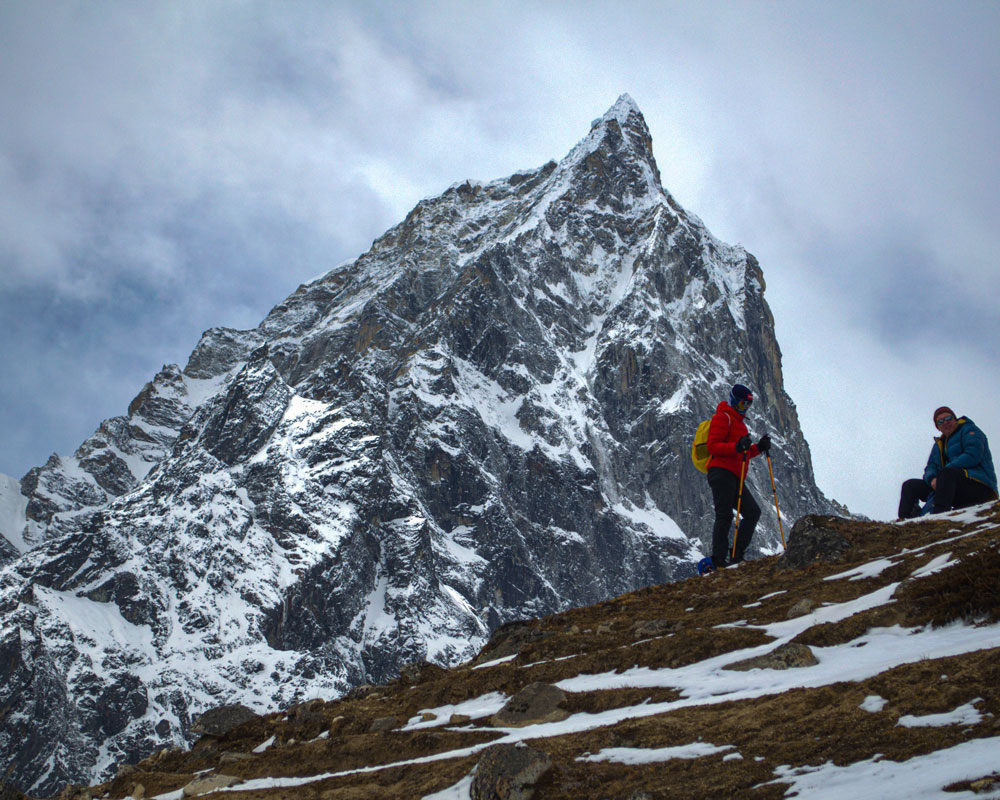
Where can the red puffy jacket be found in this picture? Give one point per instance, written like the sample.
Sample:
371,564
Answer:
726,429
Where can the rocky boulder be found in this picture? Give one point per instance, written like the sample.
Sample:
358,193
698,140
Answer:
787,656
420,671
508,772
208,784
801,608
814,538
535,703
509,639
217,722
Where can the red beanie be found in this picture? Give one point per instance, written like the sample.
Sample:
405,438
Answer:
943,410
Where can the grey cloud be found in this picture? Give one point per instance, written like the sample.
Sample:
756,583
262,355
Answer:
177,165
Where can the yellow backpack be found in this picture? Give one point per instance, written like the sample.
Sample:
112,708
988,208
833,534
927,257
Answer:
699,447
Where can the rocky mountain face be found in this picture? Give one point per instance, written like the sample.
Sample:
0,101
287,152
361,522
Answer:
486,417
860,663
59,497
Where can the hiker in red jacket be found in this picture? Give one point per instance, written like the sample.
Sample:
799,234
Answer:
731,450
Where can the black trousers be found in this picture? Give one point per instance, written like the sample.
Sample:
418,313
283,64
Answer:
954,490
725,488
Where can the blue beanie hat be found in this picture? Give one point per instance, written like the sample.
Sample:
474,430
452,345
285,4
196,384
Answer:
740,393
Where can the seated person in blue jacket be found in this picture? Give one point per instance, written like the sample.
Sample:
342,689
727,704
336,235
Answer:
959,471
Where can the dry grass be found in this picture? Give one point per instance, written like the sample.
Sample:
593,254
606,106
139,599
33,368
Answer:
799,727
968,591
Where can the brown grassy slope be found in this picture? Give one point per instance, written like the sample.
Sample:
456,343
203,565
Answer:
659,626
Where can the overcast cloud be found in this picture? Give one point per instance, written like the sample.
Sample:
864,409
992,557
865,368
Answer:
166,167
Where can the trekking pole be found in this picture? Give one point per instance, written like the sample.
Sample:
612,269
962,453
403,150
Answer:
739,500
776,509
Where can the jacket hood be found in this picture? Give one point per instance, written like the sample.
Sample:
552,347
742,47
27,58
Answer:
961,421
724,406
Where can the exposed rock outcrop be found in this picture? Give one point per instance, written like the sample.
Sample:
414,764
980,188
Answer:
508,772
535,703
813,538
788,656
221,720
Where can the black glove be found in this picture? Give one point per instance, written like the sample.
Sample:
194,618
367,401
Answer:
743,445
764,445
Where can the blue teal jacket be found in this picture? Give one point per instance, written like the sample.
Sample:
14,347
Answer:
968,450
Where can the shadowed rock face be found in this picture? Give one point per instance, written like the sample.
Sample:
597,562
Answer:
219,721
508,772
536,702
814,537
486,417
787,656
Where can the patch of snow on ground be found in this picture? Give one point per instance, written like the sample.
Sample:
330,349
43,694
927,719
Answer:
640,755
484,706
871,570
963,715
918,778
495,662
934,565
709,683
873,704
460,791
832,613
963,515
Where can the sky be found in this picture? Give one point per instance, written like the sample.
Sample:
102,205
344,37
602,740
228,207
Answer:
175,165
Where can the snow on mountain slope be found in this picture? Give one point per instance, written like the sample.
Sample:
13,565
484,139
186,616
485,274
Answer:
61,496
485,417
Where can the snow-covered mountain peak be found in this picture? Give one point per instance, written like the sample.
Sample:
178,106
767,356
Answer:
485,417
619,147
623,108
624,115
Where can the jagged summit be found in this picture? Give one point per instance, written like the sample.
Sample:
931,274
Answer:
624,108
485,417
623,125
612,167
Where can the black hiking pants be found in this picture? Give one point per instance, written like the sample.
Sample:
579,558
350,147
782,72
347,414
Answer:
954,490
725,488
